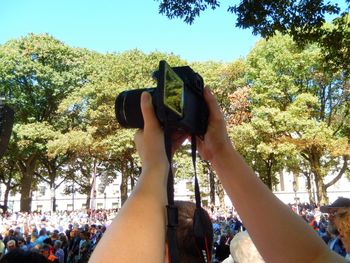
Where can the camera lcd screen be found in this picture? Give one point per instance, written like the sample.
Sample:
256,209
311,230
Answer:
173,91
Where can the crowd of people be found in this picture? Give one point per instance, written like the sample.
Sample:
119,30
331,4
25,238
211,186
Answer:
71,236
139,231
68,236
227,225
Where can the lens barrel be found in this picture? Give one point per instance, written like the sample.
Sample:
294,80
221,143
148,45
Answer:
128,108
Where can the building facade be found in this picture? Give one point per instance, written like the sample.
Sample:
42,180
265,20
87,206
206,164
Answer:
289,190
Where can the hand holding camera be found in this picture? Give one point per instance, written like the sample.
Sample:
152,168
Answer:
178,102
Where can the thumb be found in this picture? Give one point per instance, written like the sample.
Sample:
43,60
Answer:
149,117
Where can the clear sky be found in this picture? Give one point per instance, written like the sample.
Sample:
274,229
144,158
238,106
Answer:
116,26
119,25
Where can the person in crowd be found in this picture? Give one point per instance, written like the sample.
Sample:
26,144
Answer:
243,250
22,244
46,251
278,233
222,249
335,243
342,222
42,236
59,253
2,246
73,247
10,245
84,247
64,244
69,229
20,256
187,244
10,235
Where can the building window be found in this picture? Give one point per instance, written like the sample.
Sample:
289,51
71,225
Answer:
39,208
69,207
99,205
115,189
83,206
42,190
115,205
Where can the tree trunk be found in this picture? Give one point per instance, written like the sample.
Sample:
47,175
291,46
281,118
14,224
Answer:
53,197
212,187
309,190
6,198
27,170
322,193
88,200
221,194
124,188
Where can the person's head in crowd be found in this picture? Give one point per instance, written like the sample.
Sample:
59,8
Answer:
47,241
11,232
63,238
93,229
21,242
11,245
42,232
74,233
57,245
332,209
20,256
84,235
45,250
243,250
187,244
54,236
342,223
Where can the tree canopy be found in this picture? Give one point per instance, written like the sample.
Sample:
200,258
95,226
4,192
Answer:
305,21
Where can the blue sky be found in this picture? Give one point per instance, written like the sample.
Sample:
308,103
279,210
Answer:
116,26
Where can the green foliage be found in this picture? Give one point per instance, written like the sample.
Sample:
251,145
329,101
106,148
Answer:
185,9
303,20
297,110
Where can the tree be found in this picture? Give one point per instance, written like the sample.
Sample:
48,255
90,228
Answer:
309,104
9,176
303,20
36,73
91,111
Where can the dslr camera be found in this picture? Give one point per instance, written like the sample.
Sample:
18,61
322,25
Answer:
178,101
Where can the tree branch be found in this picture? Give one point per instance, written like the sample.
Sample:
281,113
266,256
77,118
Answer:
340,174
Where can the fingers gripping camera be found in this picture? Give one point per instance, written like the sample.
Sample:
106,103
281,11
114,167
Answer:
178,101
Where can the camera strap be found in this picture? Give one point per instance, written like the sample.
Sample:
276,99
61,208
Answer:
200,232
199,229
172,212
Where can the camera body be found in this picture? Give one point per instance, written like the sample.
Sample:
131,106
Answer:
178,101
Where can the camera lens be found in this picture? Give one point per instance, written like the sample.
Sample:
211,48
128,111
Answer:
128,108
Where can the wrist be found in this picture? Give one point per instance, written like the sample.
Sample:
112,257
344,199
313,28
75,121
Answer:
223,154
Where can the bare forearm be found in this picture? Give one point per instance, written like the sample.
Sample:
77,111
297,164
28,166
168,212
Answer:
289,238
139,223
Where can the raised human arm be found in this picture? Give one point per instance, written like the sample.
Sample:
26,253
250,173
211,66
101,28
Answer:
137,234
278,233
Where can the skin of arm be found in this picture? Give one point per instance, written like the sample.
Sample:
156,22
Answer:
278,233
137,234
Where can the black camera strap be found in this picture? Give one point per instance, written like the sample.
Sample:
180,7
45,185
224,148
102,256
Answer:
172,212
200,232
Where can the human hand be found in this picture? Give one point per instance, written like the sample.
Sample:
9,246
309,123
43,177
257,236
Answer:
150,141
216,138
